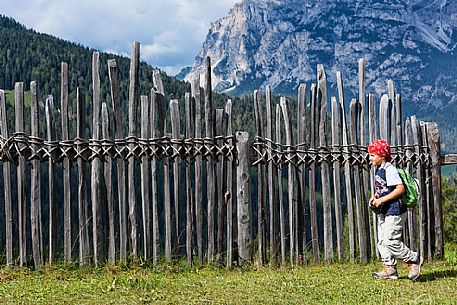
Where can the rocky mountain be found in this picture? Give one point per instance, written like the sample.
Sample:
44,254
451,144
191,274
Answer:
280,42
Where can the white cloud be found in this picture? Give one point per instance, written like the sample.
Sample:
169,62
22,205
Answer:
170,32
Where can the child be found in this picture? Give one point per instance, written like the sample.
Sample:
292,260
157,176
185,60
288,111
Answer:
391,215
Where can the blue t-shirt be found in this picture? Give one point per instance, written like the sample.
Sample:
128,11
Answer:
387,178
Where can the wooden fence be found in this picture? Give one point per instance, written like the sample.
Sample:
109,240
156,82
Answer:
218,197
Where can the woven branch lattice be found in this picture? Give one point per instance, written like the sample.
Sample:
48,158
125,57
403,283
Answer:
265,151
33,148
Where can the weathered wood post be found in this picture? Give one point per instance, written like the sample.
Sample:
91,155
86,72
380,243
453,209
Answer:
6,184
66,165
428,215
133,104
415,140
412,219
301,132
435,155
284,102
282,225
176,134
195,90
337,180
145,199
108,187
51,136
118,134
312,177
347,168
188,107
95,170
158,120
391,94
358,190
21,201
229,197
365,172
325,175
243,178
270,179
82,190
221,122
35,187
260,182
384,117
211,193
373,135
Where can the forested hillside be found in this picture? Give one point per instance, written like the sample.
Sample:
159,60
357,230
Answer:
26,55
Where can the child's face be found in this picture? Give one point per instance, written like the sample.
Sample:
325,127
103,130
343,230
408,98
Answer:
376,160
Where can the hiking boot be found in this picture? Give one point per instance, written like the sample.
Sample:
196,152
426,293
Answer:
415,268
388,272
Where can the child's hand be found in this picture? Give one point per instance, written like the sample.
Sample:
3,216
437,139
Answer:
377,202
374,200
372,205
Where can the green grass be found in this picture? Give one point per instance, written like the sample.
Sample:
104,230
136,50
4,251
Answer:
313,284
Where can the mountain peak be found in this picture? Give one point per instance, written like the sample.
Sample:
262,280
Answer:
280,42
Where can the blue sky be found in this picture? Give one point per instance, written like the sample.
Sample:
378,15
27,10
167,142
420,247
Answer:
171,32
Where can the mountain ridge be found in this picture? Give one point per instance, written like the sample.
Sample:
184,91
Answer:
279,43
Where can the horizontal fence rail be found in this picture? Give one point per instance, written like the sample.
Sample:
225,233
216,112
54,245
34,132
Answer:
186,185
32,148
266,151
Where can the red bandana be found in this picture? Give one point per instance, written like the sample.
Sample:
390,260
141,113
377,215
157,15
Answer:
380,148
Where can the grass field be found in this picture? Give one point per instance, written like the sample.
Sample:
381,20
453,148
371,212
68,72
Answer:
338,283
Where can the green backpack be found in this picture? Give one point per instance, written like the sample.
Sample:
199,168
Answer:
412,193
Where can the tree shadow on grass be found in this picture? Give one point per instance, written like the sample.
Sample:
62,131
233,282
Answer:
431,276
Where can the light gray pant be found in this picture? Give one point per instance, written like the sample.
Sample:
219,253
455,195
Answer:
390,243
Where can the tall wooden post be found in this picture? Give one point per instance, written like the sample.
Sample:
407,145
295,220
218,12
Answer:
291,176
282,225
243,178
358,194
6,184
35,187
176,134
229,196
337,180
188,106
312,178
270,179
322,101
21,201
118,134
195,90
64,105
158,114
347,168
365,172
82,195
301,123
133,105
145,199
435,154
51,136
260,183
108,187
95,166
373,135
211,194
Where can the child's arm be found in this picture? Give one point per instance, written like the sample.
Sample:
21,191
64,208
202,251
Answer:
397,192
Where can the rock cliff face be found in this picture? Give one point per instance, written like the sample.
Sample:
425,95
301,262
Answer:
280,42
